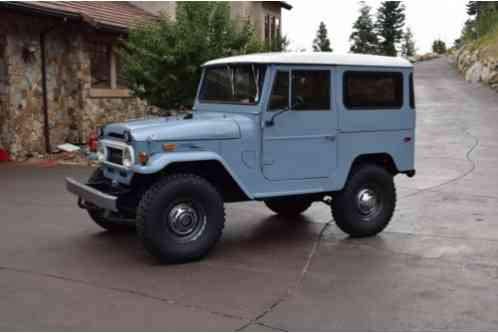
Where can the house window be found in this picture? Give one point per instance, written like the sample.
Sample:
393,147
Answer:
120,79
100,64
107,78
272,28
267,28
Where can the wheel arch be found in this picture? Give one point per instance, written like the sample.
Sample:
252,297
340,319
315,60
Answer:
212,168
384,160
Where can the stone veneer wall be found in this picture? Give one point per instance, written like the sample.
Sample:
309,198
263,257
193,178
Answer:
73,113
476,67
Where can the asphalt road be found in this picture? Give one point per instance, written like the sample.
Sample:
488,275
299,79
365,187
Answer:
434,268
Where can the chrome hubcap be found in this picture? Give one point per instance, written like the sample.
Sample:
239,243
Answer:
367,201
183,219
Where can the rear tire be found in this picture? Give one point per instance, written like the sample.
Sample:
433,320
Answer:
180,218
98,215
288,206
366,204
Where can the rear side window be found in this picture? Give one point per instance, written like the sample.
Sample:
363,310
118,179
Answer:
373,90
310,90
412,92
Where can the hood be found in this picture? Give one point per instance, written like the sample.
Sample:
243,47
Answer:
199,127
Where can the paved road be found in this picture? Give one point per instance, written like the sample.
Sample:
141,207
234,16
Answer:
434,268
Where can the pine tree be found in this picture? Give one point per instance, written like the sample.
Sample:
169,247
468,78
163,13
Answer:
439,46
321,43
408,44
473,7
363,38
390,22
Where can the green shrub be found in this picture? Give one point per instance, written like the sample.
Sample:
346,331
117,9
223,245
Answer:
161,60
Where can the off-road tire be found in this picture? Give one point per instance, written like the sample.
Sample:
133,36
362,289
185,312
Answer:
97,215
154,215
288,206
346,210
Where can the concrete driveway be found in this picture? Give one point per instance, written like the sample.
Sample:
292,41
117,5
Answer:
434,268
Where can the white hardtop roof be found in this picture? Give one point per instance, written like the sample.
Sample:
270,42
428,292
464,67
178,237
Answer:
312,58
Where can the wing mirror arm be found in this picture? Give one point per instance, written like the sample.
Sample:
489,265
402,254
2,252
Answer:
271,122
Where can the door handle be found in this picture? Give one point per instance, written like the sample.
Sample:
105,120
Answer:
330,137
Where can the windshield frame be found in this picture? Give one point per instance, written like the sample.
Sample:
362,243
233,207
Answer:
259,87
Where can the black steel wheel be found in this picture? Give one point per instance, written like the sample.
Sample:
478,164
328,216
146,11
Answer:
366,204
180,218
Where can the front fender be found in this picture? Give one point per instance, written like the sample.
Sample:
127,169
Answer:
158,162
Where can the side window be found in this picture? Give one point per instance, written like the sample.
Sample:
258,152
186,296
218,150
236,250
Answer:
412,92
310,90
279,99
373,90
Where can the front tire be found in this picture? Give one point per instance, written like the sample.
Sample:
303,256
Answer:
288,206
366,204
180,218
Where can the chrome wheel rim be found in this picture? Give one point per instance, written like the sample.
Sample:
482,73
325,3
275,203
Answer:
186,221
368,202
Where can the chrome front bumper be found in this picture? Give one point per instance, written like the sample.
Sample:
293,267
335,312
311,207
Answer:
90,195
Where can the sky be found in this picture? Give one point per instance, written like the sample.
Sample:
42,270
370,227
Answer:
429,20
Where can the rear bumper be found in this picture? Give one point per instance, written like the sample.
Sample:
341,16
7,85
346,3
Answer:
90,195
410,173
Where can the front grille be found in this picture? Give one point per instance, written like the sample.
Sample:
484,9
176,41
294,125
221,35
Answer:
115,155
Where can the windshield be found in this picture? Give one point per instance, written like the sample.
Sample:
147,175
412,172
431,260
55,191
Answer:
234,84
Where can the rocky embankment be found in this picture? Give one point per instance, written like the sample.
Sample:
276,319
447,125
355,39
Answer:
478,64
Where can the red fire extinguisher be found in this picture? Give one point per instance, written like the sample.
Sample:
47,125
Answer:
4,155
92,142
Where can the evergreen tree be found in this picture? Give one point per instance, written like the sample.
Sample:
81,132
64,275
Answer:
408,44
390,21
439,46
363,38
321,43
473,7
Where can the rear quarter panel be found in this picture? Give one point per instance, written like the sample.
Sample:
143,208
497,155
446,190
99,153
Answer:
373,131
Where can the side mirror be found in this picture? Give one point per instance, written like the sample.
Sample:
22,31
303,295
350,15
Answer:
297,101
271,122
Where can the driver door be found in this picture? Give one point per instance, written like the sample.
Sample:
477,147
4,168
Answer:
300,125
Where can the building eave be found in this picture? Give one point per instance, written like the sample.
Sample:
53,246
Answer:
32,9
285,5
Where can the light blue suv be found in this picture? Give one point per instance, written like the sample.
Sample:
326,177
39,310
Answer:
288,129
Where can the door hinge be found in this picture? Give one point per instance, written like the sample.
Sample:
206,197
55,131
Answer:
330,137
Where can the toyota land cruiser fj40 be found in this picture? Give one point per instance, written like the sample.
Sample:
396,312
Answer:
288,129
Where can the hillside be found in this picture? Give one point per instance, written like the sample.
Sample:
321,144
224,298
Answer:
478,60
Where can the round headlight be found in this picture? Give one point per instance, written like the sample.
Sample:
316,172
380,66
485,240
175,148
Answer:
127,157
101,152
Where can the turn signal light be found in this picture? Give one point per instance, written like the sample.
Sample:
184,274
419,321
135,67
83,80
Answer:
169,146
143,157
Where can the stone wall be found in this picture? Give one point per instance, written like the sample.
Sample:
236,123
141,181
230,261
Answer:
477,67
4,101
72,111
